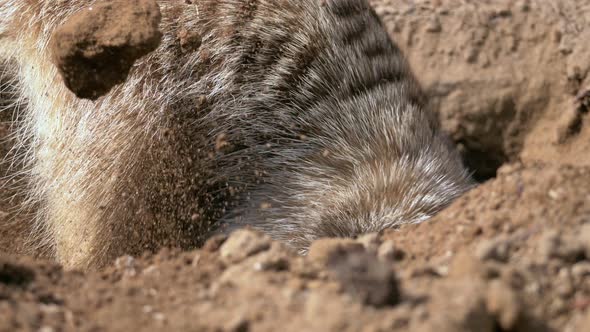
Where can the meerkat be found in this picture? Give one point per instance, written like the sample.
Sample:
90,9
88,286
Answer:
298,118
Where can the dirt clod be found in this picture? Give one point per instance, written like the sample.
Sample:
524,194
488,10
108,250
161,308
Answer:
95,49
366,278
243,244
329,250
189,40
371,242
504,304
389,252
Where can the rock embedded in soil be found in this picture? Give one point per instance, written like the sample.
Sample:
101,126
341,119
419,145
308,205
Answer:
242,244
366,278
497,249
370,241
329,250
95,49
504,304
389,252
354,264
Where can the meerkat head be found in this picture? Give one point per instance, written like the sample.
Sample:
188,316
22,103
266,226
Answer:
359,171
384,194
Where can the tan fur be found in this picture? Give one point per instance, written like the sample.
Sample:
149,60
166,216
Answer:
297,117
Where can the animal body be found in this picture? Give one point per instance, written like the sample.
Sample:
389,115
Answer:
299,118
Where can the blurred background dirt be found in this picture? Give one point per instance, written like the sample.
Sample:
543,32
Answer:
511,80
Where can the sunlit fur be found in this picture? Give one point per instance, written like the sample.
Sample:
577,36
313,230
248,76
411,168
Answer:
300,118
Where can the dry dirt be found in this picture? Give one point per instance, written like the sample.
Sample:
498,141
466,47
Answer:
511,81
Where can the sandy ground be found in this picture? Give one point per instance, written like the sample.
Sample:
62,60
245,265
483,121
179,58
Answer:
511,81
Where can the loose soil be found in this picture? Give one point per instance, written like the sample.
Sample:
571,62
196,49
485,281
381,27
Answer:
510,80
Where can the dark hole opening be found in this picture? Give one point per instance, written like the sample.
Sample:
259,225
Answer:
482,161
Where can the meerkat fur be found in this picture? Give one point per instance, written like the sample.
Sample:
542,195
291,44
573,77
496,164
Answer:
299,118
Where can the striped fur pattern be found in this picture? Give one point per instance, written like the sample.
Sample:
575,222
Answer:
300,118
